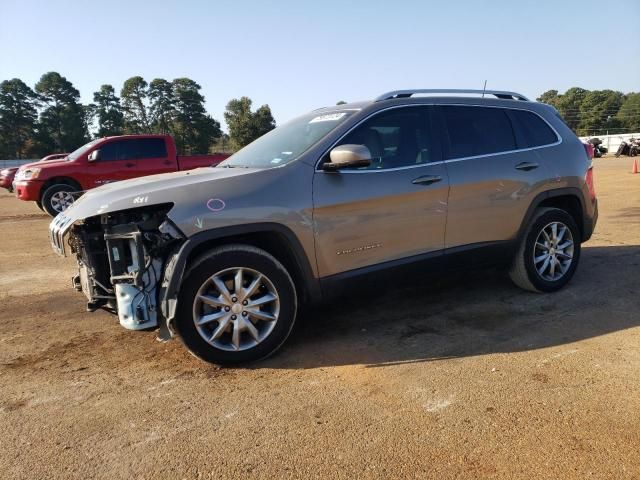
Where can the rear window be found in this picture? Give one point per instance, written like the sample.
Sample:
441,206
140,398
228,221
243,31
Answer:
477,131
535,131
152,148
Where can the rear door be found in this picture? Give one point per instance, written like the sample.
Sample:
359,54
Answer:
392,210
493,177
153,157
117,162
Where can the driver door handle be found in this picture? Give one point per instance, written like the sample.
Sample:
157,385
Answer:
129,164
427,180
526,166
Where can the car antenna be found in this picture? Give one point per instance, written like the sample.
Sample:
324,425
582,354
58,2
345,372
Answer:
484,88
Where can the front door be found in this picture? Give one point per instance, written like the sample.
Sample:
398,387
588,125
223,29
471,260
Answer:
394,209
117,162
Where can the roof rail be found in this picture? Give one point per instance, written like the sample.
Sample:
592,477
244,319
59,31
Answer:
408,93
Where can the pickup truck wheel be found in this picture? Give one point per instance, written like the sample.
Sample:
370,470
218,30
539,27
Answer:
549,253
39,204
237,304
57,198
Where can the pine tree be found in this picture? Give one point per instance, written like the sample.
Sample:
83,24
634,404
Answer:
18,117
108,112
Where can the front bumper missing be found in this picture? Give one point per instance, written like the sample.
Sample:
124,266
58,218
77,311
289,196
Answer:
116,269
58,232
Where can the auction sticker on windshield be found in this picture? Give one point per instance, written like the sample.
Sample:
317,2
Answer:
329,117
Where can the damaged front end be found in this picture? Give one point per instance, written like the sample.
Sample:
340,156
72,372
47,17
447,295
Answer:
121,256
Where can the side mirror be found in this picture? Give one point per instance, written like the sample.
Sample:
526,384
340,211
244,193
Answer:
347,156
94,156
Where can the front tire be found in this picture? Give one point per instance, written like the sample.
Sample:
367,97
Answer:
237,304
57,198
549,252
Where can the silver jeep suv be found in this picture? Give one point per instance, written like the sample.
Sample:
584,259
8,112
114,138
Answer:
416,179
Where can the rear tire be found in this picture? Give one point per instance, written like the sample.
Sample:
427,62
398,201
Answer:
57,198
546,261
228,318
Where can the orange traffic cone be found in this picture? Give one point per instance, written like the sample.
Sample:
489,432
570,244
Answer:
635,166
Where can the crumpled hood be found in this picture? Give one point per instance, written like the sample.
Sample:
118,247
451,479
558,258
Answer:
147,191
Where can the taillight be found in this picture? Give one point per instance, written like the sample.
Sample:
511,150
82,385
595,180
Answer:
589,181
590,149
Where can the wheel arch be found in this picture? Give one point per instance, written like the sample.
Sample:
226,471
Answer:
58,181
568,199
275,239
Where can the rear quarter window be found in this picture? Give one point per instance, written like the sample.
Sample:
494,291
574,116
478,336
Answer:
534,130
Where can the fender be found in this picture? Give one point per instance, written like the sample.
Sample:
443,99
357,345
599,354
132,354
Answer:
176,263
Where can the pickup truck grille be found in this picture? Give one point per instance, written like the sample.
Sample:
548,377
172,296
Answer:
57,233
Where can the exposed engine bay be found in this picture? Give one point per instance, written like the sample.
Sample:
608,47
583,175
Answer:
120,258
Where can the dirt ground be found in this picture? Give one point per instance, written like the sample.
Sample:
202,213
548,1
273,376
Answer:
466,378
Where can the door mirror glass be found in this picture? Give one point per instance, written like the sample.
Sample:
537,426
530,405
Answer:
94,156
348,156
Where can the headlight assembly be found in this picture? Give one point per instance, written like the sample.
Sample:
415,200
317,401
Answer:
28,174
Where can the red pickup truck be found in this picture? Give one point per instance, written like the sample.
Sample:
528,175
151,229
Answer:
54,185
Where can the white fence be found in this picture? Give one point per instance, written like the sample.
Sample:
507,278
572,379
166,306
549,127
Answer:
612,142
15,163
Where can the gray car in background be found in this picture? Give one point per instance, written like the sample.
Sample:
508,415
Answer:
412,181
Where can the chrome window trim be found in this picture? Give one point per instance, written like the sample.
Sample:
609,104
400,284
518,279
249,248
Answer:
395,169
439,162
461,159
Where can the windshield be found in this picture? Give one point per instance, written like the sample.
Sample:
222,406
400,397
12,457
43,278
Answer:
287,142
82,149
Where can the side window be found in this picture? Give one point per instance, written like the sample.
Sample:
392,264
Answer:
395,138
134,149
477,131
534,130
128,149
152,148
109,151
119,150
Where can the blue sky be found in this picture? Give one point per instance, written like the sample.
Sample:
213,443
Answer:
297,55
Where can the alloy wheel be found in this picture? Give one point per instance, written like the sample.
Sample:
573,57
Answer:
60,201
236,309
553,251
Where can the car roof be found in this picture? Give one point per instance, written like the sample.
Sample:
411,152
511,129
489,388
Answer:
496,98
442,99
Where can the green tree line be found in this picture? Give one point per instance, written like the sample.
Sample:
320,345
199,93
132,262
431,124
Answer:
596,112
50,118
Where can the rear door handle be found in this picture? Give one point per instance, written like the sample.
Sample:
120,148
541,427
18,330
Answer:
129,164
427,180
526,166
